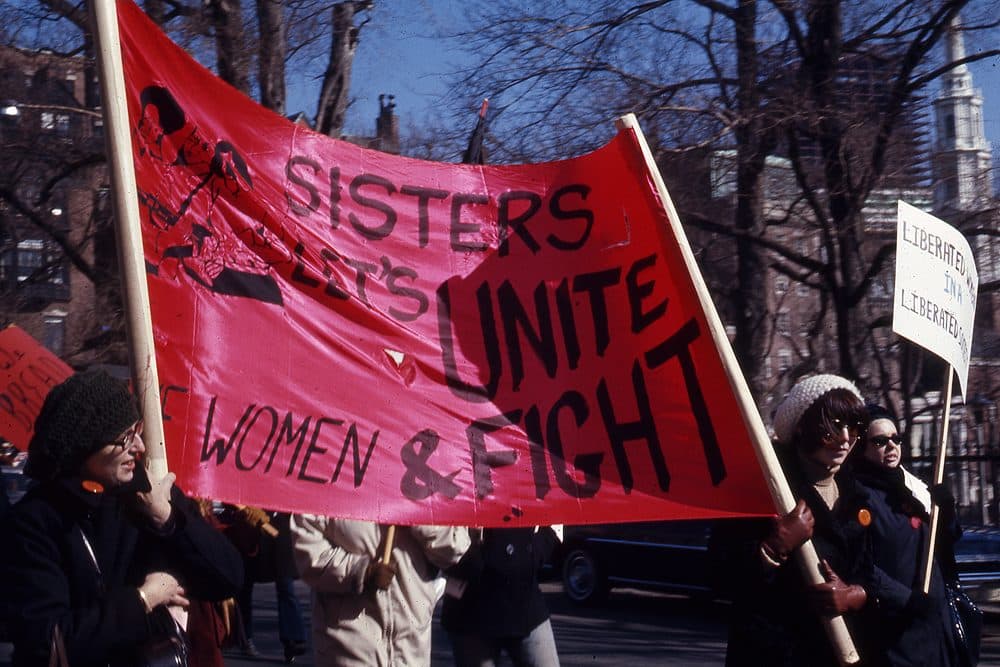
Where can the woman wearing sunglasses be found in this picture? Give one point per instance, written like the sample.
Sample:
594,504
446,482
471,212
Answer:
915,629
776,614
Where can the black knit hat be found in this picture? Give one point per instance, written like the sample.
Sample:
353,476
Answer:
876,411
81,415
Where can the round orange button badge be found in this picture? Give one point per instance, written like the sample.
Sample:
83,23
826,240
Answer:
864,517
92,486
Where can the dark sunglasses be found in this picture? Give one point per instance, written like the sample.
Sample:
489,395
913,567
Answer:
883,440
853,429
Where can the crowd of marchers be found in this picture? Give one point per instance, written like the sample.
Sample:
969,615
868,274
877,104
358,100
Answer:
103,566
869,520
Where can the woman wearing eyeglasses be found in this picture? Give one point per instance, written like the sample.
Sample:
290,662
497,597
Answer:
883,450
776,614
915,629
94,554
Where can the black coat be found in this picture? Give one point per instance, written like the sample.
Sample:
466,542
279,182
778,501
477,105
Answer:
502,598
912,631
50,578
772,621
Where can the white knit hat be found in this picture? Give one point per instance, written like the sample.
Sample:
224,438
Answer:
801,397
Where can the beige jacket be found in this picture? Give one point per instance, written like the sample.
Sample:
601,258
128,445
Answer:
351,626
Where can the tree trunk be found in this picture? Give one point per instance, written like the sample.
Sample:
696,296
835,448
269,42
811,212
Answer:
232,62
333,95
273,48
751,323
820,72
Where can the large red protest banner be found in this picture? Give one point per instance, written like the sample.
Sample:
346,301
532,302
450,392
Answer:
347,332
27,372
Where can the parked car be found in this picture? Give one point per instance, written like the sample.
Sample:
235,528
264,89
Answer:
673,556
977,555
660,555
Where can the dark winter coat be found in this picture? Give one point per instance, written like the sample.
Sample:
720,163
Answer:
911,630
772,621
501,598
49,577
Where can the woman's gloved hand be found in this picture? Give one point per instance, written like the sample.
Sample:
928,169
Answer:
252,516
942,496
836,596
788,532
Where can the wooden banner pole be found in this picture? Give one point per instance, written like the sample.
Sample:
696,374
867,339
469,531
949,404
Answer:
390,536
781,494
131,262
938,478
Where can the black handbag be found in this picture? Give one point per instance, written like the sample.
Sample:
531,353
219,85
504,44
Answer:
169,645
966,623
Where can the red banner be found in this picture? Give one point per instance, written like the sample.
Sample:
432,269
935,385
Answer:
346,332
27,372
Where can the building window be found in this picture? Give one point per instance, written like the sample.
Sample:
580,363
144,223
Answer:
102,203
950,189
33,261
723,174
8,265
29,258
783,322
784,360
882,289
55,122
10,114
780,285
54,333
802,289
949,126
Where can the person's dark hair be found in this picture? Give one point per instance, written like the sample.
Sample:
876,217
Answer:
79,416
817,420
171,114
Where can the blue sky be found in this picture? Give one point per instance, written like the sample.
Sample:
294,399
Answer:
986,77
398,56
404,57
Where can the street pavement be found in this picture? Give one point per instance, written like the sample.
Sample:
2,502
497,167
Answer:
632,628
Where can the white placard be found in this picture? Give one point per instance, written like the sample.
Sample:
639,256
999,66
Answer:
934,301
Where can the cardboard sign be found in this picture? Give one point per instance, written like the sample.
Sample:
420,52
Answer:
934,300
351,333
27,372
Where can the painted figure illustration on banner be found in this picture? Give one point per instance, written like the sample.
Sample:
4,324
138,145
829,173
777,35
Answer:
188,238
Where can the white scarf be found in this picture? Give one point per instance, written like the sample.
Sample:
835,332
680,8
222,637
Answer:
917,488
